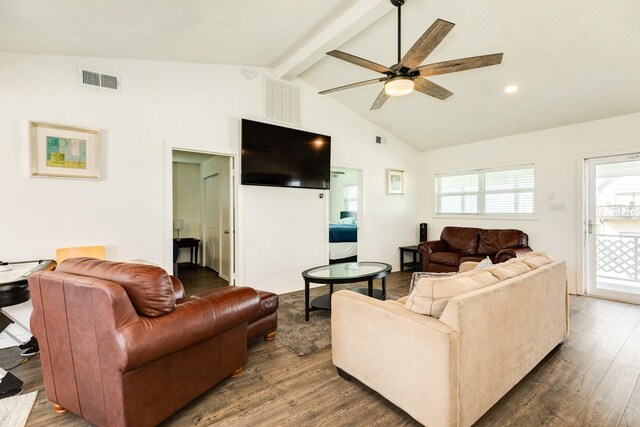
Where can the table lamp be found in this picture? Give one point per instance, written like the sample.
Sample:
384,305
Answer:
178,224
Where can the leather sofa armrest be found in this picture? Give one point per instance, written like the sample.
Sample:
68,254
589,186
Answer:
197,319
429,247
178,288
507,254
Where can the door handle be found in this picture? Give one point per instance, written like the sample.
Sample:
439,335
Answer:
226,231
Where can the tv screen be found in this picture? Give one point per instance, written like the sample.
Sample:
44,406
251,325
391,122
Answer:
282,157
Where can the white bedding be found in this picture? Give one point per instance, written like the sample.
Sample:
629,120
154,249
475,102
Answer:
342,250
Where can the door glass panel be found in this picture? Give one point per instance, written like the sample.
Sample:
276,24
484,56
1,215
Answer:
616,227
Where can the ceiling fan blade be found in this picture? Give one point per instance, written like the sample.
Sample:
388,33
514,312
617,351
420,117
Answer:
426,43
352,85
463,64
380,100
359,61
430,88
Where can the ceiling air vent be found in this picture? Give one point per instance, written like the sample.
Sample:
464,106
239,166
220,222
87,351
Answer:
99,81
90,78
281,101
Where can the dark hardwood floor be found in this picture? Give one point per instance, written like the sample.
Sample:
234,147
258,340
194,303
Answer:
590,380
196,279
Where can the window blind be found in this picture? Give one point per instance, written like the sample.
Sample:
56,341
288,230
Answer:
496,191
350,193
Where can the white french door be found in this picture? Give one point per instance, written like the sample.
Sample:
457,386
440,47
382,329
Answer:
612,227
219,218
212,221
227,237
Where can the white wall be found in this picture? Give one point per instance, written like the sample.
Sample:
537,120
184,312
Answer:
185,106
187,202
556,154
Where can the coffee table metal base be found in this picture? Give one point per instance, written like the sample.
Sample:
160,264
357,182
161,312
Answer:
323,302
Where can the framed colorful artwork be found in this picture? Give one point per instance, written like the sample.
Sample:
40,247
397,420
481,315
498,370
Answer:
395,181
64,151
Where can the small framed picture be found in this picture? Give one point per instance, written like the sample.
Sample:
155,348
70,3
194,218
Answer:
64,151
395,181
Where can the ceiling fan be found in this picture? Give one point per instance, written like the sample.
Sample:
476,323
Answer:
408,75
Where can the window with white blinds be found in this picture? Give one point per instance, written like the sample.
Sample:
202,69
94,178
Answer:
350,193
497,191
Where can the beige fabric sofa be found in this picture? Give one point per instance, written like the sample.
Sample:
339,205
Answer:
450,371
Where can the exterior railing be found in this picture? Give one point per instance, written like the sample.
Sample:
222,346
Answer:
618,257
618,212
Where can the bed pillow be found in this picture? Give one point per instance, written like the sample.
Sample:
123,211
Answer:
346,221
431,295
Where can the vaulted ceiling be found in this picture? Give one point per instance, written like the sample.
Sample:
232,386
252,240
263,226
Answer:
574,60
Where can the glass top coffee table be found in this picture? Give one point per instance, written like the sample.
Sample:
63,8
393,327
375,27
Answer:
346,272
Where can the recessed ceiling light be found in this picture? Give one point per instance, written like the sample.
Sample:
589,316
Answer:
511,89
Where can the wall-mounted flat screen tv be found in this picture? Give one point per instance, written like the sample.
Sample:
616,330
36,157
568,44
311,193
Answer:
277,156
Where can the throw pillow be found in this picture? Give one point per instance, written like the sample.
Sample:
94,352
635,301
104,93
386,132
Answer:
484,263
420,274
536,259
512,268
431,295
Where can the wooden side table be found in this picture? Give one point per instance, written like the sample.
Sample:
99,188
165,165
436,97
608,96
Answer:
193,244
415,263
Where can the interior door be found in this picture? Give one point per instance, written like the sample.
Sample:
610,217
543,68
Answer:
226,218
345,199
612,232
212,221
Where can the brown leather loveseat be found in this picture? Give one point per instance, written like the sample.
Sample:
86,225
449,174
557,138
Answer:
461,244
121,346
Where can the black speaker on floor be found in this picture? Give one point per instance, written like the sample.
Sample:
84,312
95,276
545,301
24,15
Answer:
423,232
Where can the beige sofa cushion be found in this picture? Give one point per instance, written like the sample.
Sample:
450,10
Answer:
431,295
536,259
506,270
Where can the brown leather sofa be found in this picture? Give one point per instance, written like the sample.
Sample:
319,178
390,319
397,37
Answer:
461,244
121,346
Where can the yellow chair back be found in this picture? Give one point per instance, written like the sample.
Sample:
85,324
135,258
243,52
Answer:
80,251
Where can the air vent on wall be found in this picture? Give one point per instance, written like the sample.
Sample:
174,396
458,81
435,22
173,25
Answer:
99,81
281,101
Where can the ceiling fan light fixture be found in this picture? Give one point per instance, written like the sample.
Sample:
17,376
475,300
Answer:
398,86
511,89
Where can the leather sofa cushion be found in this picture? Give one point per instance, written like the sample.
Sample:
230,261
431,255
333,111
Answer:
431,295
536,259
461,239
447,258
149,287
491,242
506,270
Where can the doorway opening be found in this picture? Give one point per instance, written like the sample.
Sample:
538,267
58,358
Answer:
345,208
202,194
612,241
